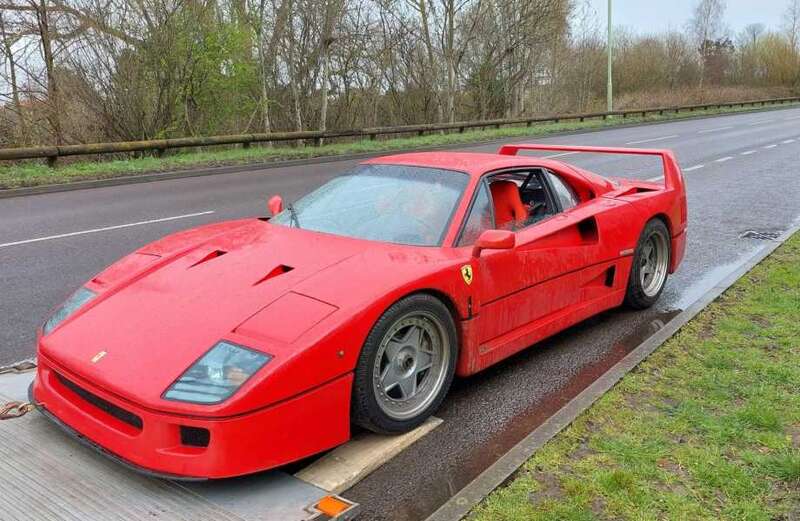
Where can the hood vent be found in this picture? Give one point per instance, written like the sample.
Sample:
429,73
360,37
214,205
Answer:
212,255
280,269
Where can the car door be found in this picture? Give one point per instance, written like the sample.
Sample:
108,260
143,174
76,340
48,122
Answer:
540,277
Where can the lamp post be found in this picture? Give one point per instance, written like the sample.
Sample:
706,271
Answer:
609,85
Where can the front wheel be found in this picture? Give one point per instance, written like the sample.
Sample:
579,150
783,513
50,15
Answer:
650,266
406,365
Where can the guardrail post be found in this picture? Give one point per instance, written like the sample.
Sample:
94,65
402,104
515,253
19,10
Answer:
420,133
317,141
52,161
246,144
159,152
644,114
460,130
373,136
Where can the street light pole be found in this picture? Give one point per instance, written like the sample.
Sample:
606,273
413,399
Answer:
609,86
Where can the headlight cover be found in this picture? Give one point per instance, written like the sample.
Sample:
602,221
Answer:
219,373
73,303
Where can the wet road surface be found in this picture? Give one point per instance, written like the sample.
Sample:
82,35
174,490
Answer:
742,174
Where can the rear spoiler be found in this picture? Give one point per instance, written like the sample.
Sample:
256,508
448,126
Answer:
673,179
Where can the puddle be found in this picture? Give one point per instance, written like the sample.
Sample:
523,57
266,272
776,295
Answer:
711,277
476,459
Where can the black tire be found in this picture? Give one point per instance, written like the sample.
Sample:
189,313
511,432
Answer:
638,294
365,408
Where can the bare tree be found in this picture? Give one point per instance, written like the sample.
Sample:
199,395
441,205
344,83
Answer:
707,25
98,70
791,24
6,40
54,110
752,32
333,9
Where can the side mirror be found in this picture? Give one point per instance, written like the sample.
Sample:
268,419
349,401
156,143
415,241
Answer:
275,204
494,240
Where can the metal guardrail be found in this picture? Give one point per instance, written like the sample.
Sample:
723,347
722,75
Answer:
52,153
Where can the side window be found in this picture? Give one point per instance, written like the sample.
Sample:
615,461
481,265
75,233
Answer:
563,192
479,219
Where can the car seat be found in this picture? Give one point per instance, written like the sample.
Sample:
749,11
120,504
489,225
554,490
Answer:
508,207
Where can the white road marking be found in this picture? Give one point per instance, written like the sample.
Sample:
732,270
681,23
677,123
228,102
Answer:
723,159
770,146
562,154
748,152
786,142
695,167
792,118
105,229
657,178
760,122
713,130
651,139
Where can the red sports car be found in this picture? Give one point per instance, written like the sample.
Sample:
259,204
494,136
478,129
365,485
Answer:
244,345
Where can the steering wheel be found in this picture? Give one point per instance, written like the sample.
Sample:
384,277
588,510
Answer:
534,207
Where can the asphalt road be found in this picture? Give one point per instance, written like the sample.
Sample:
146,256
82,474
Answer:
742,174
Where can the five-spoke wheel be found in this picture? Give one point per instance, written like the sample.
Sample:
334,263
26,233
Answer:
411,365
650,265
406,365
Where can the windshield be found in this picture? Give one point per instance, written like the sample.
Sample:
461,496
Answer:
390,203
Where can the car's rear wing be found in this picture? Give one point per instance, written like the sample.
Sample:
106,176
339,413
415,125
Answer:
673,179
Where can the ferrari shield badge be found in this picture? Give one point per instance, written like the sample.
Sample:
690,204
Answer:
466,272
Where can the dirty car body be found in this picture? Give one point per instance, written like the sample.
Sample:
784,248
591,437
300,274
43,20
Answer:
231,348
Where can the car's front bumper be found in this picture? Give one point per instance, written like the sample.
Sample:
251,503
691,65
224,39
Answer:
152,441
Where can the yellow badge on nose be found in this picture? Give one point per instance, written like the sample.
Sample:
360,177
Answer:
96,358
466,272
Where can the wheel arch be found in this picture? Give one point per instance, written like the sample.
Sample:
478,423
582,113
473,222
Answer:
663,218
448,302
670,231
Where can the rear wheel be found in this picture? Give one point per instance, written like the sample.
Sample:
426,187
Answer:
650,266
406,365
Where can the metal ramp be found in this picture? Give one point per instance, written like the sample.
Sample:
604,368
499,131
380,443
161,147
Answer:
47,475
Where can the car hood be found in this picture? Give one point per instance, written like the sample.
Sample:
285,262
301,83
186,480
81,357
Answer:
159,309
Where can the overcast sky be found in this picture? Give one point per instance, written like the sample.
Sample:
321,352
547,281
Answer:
653,16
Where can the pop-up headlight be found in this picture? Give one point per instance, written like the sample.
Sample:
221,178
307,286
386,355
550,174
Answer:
73,303
217,374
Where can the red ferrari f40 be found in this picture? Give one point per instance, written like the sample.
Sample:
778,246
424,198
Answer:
241,346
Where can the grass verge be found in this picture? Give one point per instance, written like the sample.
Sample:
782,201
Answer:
36,173
708,427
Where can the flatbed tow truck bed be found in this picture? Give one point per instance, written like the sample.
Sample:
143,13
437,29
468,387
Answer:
45,474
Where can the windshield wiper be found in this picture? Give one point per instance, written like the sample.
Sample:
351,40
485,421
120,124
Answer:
293,215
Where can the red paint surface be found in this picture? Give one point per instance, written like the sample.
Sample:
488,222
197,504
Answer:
309,300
